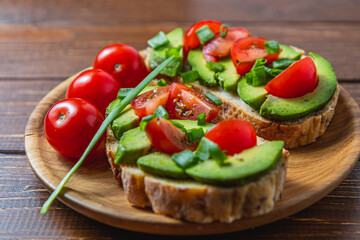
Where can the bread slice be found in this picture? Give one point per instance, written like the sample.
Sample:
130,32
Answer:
294,133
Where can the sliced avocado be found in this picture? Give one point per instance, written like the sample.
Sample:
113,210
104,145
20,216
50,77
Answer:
111,106
190,124
228,78
132,145
253,96
161,164
289,52
292,108
175,37
251,165
127,120
197,61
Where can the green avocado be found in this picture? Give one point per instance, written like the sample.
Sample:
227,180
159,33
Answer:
175,38
197,62
133,144
190,124
283,109
240,169
289,53
228,78
253,96
161,164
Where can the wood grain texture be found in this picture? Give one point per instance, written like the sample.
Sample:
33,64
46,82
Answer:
313,171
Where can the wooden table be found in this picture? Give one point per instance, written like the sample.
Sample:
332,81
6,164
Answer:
43,42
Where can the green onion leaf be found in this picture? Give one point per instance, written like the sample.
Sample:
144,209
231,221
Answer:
282,63
160,112
190,76
272,47
195,134
256,76
123,92
213,98
102,129
145,121
273,72
178,125
201,119
158,41
205,34
213,66
161,82
223,32
207,149
259,62
185,159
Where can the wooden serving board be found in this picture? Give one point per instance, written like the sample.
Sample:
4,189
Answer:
313,171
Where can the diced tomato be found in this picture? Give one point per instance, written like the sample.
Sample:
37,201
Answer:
191,40
220,47
186,103
147,103
233,136
295,81
165,137
245,51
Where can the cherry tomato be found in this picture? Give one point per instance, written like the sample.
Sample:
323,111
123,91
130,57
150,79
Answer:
295,81
71,124
165,137
123,62
233,136
245,51
95,86
186,103
220,47
147,103
191,40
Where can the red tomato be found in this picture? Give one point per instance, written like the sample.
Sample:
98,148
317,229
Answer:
186,103
147,103
191,40
297,80
70,125
123,62
233,136
95,86
220,47
245,51
165,137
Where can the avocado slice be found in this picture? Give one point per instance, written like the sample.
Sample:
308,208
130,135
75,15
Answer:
197,62
254,163
228,78
253,96
289,53
133,144
190,124
161,164
283,109
175,38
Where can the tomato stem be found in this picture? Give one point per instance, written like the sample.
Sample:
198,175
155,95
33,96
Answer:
102,129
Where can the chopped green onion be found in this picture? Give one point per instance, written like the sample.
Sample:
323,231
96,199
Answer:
123,92
272,47
205,34
273,72
256,76
207,149
185,159
195,134
102,129
160,112
259,62
178,125
213,66
201,119
190,76
158,41
213,98
161,82
145,121
282,63
217,154
223,32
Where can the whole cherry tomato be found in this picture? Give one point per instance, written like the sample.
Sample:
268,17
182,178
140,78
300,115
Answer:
233,136
220,47
71,124
295,81
165,137
191,40
123,62
95,86
245,51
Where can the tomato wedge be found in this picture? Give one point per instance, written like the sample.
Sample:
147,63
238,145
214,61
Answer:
220,47
233,136
147,103
191,40
295,81
186,103
245,51
165,137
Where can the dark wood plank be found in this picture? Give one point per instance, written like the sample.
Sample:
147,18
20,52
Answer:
110,12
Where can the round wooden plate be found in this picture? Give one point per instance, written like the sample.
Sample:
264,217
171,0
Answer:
313,172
